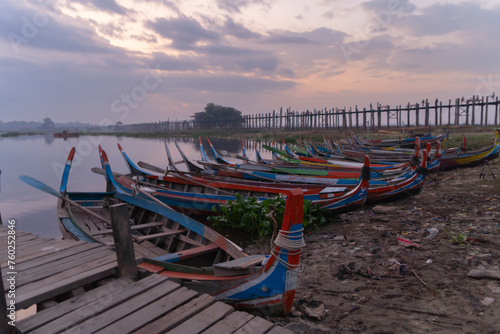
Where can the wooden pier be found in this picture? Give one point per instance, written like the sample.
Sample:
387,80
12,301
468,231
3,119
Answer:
76,288
473,111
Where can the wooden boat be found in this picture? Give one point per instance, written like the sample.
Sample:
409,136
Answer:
183,249
472,158
406,142
410,182
198,196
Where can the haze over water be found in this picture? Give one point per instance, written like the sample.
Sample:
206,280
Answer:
43,158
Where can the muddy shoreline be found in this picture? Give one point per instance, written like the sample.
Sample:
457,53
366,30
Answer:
402,266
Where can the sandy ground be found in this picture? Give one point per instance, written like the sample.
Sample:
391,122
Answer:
357,277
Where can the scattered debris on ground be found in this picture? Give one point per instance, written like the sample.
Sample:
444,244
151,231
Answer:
422,264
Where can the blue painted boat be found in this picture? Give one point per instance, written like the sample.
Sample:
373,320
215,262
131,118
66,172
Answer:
198,196
181,248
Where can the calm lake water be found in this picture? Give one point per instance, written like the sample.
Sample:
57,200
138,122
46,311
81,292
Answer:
43,158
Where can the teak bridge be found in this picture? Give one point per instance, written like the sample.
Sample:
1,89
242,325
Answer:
475,111
80,287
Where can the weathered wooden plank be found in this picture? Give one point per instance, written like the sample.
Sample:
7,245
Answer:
230,323
5,233
35,247
52,286
53,248
55,256
177,316
255,326
150,312
147,249
132,227
32,243
102,294
204,319
189,253
159,235
4,321
92,309
19,240
241,263
18,234
59,266
151,247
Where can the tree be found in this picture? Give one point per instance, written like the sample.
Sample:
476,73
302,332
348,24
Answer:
217,116
47,123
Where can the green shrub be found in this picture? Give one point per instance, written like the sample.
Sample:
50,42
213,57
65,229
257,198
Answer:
250,215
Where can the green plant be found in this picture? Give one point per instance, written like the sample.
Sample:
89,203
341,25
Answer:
460,239
250,215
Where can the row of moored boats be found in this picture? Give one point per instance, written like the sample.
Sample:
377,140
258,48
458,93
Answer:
337,177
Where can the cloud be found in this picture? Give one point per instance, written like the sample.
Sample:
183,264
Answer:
440,19
110,6
238,30
287,39
390,6
172,63
37,27
236,6
112,29
145,37
184,32
315,37
225,83
236,59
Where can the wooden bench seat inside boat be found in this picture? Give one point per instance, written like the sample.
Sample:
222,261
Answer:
241,263
159,235
241,266
132,227
189,253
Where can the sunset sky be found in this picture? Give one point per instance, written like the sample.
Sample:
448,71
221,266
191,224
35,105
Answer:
104,61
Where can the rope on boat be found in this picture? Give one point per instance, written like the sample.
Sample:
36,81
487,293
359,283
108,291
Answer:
291,241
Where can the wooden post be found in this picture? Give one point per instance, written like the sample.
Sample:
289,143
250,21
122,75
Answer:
388,116
467,114
408,114
473,116
436,112
344,117
440,113
122,235
357,117
281,117
326,118
332,118
350,117
364,119
379,115
426,113
457,111
372,117
482,111
496,111
486,113
417,115
449,112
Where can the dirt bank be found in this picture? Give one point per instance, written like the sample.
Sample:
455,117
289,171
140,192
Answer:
361,270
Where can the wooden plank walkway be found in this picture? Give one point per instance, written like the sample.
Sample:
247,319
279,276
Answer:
48,268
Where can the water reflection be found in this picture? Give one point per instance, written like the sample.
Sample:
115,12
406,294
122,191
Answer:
44,158
49,138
